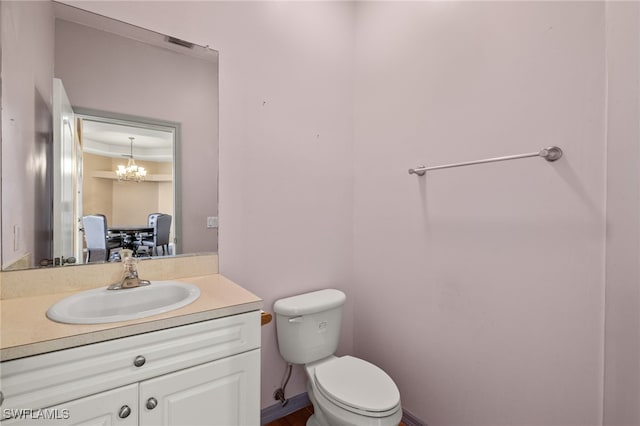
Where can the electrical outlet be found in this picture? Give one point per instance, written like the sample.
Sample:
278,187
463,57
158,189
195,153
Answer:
212,222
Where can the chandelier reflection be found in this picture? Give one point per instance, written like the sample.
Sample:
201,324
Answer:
131,172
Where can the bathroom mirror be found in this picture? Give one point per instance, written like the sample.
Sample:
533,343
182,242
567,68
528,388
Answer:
116,71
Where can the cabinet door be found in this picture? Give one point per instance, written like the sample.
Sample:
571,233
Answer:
225,392
117,407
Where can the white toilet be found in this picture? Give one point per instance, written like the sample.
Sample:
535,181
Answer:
345,391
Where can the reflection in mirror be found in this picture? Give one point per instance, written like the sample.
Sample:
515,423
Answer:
121,82
144,151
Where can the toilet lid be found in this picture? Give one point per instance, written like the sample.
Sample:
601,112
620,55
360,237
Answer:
358,384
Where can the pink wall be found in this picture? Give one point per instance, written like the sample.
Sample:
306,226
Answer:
491,276
480,290
285,144
27,68
622,337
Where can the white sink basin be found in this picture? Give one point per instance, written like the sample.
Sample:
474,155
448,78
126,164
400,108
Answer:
100,305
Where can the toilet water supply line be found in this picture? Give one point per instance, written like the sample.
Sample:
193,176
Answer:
279,393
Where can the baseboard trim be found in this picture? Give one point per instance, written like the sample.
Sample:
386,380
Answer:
277,411
410,420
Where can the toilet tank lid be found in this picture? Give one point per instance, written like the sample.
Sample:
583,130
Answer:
309,303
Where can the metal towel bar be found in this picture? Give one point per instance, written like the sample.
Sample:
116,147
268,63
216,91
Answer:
551,153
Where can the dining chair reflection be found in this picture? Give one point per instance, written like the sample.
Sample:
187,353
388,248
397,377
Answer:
99,244
161,224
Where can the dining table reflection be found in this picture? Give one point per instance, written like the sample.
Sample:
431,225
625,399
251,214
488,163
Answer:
130,234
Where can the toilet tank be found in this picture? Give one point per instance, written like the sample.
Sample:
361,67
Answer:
308,325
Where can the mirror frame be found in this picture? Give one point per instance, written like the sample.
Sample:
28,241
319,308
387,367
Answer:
126,119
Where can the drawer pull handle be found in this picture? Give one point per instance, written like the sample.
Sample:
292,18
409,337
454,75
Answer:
1,397
152,403
139,361
124,412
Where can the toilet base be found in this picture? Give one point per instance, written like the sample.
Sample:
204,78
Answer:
313,421
326,414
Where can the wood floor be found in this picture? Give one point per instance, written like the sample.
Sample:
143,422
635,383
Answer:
297,418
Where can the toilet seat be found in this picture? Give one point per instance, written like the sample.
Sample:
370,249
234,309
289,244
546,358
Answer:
357,386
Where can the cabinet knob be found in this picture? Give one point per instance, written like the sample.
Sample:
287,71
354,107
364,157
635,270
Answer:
152,403
124,412
139,361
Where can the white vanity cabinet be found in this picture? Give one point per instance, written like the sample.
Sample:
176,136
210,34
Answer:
216,393
113,407
205,373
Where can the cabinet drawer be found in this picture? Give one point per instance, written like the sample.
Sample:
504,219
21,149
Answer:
105,408
53,378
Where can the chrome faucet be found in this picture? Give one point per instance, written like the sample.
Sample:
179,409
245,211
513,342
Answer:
130,277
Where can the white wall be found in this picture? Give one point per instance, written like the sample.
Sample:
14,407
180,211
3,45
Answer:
480,289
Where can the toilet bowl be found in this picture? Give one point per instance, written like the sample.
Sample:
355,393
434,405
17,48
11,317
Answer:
351,391
345,391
